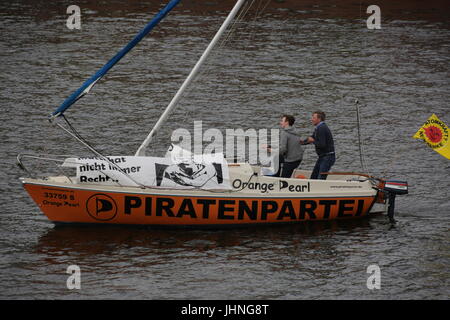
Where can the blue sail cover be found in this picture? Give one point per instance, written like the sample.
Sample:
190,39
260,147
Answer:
100,73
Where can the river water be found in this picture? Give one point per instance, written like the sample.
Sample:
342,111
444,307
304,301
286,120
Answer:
273,63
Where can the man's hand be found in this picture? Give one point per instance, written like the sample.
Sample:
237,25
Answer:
310,140
265,146
307,141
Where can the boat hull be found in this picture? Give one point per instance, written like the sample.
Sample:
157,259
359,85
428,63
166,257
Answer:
69,204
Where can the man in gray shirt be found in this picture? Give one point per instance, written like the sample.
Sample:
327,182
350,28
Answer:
291,151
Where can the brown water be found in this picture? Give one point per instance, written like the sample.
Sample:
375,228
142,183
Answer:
275,63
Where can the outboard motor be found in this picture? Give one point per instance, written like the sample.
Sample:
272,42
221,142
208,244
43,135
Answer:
392,188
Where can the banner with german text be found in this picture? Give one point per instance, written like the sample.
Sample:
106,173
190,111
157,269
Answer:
203,173
435,134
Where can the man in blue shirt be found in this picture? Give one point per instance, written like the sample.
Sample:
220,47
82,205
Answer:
323,141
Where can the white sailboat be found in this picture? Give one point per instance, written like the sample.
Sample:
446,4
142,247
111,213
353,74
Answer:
209,191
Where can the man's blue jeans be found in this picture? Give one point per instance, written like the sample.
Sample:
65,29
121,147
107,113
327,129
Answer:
323,164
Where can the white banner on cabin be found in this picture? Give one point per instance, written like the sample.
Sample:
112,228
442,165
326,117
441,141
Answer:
179,155
151,171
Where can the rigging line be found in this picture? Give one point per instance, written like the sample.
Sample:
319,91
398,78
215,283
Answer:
242,13
238,20
76,133
253,23
358,125
262,10
259,14
259,5
45,156
363,160
190,78
368,170
83,141
364,166
361,147
231,32
216,52
225,38
209,63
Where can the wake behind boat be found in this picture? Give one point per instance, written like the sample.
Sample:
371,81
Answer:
192,190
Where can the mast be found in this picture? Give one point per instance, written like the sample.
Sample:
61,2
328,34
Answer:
191,76
87,86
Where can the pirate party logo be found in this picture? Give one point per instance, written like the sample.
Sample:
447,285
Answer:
101,207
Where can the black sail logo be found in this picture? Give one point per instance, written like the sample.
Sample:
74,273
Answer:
101,207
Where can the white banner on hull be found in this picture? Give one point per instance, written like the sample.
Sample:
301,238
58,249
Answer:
208,173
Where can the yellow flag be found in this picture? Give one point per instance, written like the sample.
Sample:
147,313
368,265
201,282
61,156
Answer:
436,135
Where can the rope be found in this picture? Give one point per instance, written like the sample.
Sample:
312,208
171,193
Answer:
207,66
74,133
